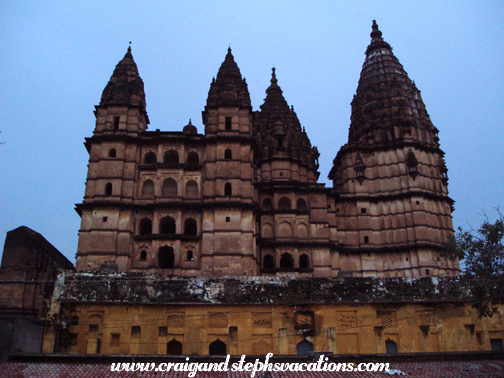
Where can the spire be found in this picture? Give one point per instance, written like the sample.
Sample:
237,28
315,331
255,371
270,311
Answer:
377,41
387,106
229,89
125,86
278,130
274,103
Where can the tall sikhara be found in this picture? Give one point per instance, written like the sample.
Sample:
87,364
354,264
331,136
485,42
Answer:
390,179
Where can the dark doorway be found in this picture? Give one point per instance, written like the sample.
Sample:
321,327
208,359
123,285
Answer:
391,347
171,157
166,258
150,158
304,261
228,190
108,189
286,261
304,347
192,158
174,347
167,225
190,227
145,226
496,345
269,262
217,348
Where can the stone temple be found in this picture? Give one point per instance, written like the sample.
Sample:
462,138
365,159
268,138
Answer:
222,241
242,198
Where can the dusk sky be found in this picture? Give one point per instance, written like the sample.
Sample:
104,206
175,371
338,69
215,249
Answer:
57,56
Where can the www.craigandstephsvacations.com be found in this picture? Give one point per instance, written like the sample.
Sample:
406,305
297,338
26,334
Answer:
257,366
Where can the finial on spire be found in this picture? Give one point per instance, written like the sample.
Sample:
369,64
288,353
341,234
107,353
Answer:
190,123
376,33
129,47
273,76
229,49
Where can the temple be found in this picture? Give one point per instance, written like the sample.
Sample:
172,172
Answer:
242,198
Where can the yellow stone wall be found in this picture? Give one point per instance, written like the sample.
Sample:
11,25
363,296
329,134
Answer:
259,329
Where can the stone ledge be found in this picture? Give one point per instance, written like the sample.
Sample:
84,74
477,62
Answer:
144,288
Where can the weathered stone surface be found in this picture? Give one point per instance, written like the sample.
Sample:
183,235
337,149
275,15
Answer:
155,288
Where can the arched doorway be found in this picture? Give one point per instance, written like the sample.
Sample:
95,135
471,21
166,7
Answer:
174,347
391,347
166,258
217,348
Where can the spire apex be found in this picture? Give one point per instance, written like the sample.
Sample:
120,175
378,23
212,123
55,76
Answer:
376,33
273,76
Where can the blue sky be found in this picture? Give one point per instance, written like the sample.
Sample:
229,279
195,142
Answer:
57,56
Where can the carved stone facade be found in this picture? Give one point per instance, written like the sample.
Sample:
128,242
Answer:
242,199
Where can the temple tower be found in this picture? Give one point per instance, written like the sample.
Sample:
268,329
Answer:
293,222
106,212
390,179
228,235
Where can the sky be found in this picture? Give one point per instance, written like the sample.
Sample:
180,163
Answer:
57,56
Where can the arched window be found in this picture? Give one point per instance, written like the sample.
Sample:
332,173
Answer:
391,346
112,153
167,225
150,158
267,231
192,158
143,255
286,261
285,230
148,189
301,204
284,203
108,189
228,155
174,347
267,204
228,190
190,227
171,157
269,262
304,347
217,348
166,258
170,188
301,231
191,189
304,261
190,256
75,321
145,227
